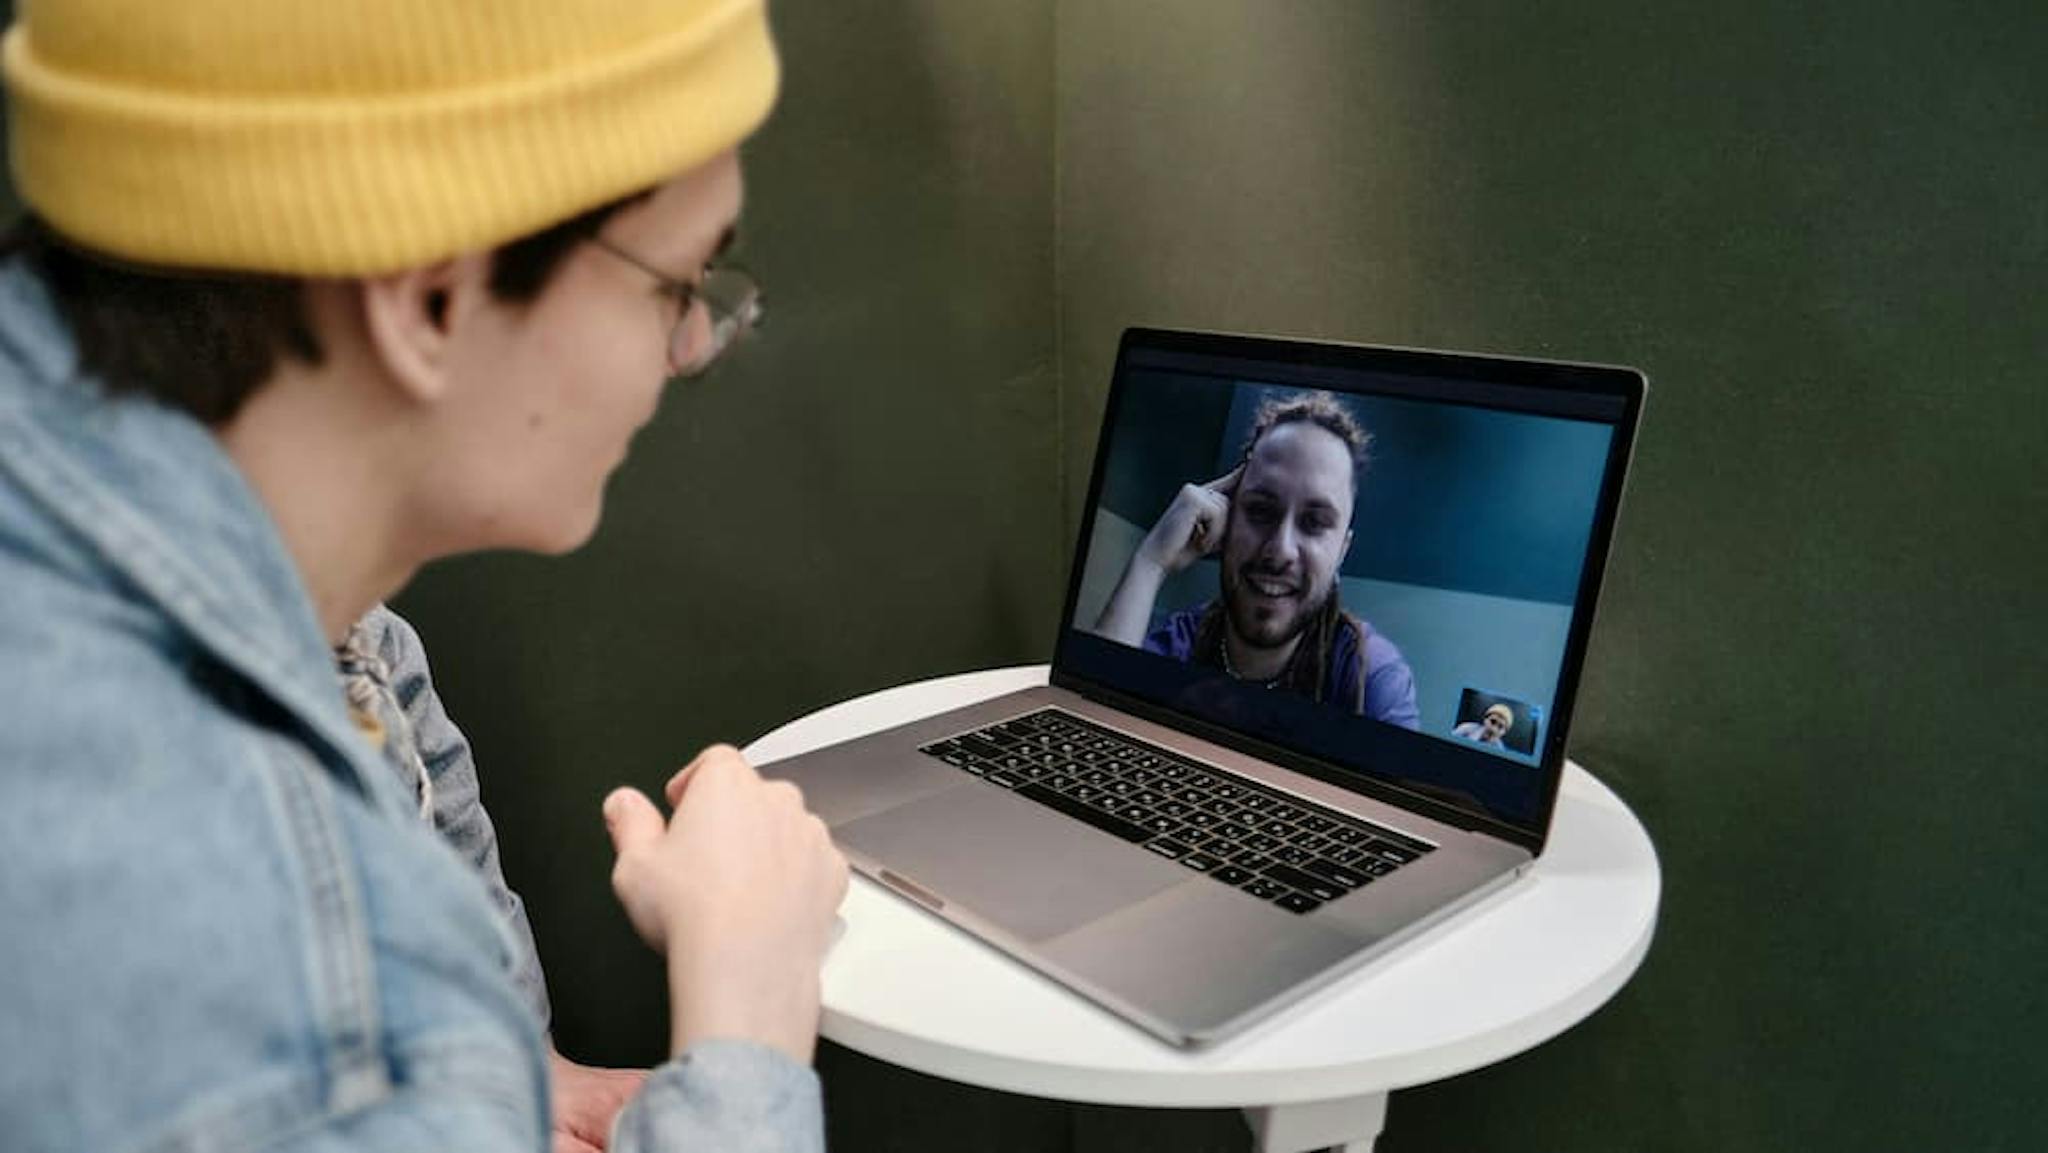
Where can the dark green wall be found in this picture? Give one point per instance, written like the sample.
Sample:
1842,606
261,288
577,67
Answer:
1823,232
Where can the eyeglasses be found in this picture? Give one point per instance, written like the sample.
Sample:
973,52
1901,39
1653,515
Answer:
732,303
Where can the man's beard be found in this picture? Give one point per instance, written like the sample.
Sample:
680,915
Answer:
1270,624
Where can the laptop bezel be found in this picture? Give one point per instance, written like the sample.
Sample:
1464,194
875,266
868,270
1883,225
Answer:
1612,381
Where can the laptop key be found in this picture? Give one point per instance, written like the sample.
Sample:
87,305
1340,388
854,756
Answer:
1232,875
999,777
1296,903
1115,826
1169,848
1201,862
1264,889
1349,878
979,747
1314,886
1399,854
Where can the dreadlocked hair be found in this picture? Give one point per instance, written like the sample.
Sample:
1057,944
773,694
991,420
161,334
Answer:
1321,409
1308,670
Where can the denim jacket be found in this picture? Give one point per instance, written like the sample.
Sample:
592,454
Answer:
223,925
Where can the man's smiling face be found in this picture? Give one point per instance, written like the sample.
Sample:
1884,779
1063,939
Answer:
1289,528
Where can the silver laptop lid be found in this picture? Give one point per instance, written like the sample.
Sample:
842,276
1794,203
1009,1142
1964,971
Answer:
1377,566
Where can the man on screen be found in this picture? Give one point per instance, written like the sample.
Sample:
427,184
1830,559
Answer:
1280,523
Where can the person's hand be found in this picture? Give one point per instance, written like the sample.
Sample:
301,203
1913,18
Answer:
1192,526
738,888
585,1100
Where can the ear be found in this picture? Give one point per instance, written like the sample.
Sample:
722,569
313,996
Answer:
413,319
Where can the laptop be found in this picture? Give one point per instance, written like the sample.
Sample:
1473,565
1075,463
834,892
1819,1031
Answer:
1311,688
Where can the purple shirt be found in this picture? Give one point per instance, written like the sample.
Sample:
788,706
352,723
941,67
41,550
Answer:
1389,685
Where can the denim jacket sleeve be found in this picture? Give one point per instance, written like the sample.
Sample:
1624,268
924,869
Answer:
729,1096
721,1097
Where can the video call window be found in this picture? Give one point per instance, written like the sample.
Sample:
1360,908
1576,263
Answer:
1497,722
1411,562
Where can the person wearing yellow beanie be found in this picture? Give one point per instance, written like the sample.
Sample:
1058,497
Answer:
308,295
1491,728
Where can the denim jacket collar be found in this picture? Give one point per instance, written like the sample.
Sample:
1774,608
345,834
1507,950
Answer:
160,504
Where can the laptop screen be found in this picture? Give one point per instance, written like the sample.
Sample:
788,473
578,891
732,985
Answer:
1382,561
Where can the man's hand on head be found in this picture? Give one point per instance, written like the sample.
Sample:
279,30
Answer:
1192,526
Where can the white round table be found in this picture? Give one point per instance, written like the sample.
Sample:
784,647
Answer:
1519,968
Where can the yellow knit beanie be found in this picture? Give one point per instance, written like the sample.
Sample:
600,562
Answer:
331,138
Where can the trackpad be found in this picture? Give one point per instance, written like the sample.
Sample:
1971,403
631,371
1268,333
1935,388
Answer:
1023,867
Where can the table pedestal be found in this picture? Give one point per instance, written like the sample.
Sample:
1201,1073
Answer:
1349,1125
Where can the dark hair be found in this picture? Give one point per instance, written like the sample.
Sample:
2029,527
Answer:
1324,411
204,341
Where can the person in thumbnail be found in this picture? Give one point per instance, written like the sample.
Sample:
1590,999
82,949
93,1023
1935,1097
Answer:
1280,523
1491,728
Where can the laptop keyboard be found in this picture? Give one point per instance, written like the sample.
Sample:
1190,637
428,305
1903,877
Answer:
1271,845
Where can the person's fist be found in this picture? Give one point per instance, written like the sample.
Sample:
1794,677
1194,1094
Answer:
738,888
